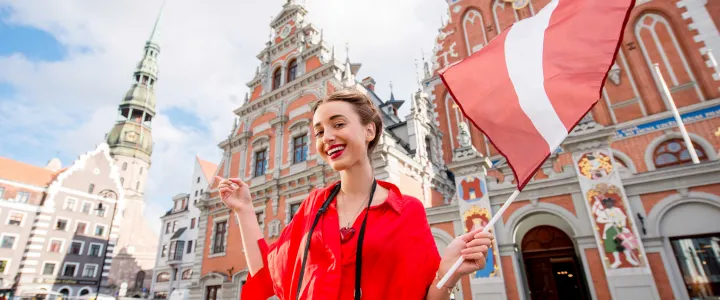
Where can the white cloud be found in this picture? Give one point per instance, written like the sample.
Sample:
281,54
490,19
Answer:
207,55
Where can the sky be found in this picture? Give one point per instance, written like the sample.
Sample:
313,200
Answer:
65,66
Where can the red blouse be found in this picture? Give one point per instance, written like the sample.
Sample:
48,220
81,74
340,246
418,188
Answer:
400,257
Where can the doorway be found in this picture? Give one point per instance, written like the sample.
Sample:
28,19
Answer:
552,269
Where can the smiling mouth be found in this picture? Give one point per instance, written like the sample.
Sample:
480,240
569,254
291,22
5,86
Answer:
335,152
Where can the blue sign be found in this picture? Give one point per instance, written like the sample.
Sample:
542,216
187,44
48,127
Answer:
669,122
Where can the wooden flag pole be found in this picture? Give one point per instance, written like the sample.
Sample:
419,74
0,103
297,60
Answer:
489,225
678,119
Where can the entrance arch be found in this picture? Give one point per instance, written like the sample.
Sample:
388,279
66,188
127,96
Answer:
552,268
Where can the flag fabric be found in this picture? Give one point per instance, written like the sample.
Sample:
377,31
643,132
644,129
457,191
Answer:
535,81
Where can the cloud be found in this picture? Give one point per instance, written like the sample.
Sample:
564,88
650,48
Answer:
207,55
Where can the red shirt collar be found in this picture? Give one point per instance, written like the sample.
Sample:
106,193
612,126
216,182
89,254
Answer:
395,199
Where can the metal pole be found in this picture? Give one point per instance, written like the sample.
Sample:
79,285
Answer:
678,119
713,62
107,243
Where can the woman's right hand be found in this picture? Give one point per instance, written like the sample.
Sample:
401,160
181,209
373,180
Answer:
235,193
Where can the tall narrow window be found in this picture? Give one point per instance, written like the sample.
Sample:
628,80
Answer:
219,245
294,208
91,188
276,78
124,166
300,148
260,162
292,70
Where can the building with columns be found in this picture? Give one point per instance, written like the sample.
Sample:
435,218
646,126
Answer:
619,211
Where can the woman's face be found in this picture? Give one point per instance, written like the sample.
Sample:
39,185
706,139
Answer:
340,137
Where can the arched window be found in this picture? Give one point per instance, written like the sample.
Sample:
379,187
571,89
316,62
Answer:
124,167
187,274
122,181
163,277
474,30
659,44
276,78
141,170
84,292
673,152
139,280
137,185
65,292
292,70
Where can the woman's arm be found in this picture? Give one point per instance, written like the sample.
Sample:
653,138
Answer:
442,293
251,236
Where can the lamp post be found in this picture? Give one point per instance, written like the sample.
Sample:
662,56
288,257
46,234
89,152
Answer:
107,195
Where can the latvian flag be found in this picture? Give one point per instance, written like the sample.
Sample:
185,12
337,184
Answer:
535,81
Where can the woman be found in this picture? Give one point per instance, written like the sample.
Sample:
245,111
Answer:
367,238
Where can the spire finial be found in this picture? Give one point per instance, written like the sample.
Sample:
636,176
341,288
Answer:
347,52
333,53
417,74
392,95
153,35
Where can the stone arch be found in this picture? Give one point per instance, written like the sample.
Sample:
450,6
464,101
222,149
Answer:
703,143
212,278
661,209
68,288
84,289
535,213
237,279
450,114
626,159
649,23
471,23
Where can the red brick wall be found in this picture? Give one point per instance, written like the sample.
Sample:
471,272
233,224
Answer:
508,269
597,274
660,275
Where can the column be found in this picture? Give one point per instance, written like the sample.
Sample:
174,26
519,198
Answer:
470,167
621,251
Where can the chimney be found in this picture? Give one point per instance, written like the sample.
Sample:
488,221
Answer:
369,83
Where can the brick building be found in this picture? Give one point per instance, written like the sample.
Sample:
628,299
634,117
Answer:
624,171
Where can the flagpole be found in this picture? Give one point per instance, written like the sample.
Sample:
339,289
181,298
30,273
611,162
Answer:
713,62
678,119
496,216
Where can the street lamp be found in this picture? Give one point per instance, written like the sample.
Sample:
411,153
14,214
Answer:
106,195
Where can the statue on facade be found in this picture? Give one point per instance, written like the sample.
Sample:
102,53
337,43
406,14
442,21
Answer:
464,135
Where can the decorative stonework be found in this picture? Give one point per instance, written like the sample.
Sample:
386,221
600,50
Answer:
274,228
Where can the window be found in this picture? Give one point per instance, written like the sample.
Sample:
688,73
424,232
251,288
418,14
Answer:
699,259
198,180
3,266
196,193
124,167
22,197
219,245
164,251
70,269
69,204
65,292
189,247
139,280
91,188
15,218
61,224
300,148
86,207
100,210
89,270
99,230
176,250
673,153
167,227
294,208
95,250
8,242
163,277
137,185
292,70
211,292
2,192
174,226
260,216
81,227
428,147
276,79
187,274
48,269
55,246
76,248
84,292
260,162
192,223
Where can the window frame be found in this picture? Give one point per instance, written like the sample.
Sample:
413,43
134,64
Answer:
100,252
7,234
677,154
24,193
75,202
304,148
276,78
8,263
62,245
95,271
82,207
264,161
65,264
292,69
22,220
55,271
77,225
68,223
82,247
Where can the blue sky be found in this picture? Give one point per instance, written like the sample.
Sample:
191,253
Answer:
65,66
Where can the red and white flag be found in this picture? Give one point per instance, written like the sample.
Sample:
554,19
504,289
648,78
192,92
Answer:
535,81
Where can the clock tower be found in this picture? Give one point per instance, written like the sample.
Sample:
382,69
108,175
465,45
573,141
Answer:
130,139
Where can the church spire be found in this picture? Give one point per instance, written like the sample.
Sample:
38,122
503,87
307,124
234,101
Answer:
154,34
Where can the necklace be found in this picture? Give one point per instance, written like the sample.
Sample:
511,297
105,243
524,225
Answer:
347,232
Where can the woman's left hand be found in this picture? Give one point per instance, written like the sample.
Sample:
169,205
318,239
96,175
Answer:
473,247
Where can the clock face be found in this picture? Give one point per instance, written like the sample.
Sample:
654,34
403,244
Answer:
131,136
285,31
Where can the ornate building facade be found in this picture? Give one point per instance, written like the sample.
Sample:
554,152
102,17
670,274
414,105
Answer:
619,211
607,215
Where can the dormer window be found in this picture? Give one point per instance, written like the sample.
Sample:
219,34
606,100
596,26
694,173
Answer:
276,78
292,70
